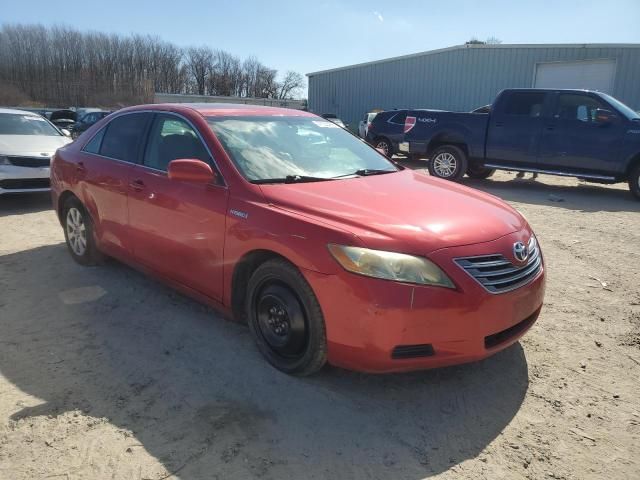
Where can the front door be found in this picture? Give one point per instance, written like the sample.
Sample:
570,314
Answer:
177,227
573,138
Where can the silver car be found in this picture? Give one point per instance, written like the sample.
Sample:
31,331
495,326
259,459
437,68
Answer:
27,143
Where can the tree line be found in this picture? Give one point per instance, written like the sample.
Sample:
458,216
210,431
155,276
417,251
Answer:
63,66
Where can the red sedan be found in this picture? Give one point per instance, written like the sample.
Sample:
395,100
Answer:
328,250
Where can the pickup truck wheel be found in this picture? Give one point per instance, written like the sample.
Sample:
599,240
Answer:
384,145
285,319
634,181
448,162
480,172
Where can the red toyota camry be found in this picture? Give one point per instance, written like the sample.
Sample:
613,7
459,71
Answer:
328,250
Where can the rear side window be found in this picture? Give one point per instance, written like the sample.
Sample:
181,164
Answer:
398,118
93,146
527,104
172,138
123,137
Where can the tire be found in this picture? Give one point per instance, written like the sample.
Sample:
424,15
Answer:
448,162
78,233
384,144
634,181
285,319
480,172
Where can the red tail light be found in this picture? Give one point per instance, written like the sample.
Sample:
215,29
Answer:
409,123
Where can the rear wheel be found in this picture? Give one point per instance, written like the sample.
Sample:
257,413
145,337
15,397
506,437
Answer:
480,172
634,181
384,145
285,319
78,232
448,162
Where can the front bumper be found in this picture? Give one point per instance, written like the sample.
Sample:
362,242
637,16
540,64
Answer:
15,179
370,321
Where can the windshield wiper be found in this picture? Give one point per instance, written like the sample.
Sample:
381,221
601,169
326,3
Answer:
291,179
364,172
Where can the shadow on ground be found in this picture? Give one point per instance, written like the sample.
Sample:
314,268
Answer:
584,197
21,203
199,398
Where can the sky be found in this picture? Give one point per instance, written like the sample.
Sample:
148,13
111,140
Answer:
308,36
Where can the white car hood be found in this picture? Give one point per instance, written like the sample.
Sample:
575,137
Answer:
31,145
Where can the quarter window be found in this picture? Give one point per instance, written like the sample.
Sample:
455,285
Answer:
525,103
399,118
172,138
123,136
93,146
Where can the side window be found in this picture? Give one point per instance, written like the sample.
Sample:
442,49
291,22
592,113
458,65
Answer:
93,146
399,118
172,138
577,107
527,104
123,136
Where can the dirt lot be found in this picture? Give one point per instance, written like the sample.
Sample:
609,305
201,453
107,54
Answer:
104,373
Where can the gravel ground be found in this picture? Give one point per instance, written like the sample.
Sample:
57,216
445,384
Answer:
105,373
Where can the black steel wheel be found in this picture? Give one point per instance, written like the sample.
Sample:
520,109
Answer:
285,318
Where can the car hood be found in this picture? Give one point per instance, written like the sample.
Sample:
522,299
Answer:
31,145
406,211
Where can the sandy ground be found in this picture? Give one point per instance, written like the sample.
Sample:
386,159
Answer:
105,373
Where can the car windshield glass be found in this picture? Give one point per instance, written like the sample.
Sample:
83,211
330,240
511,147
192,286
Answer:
19,124
621,107
278,147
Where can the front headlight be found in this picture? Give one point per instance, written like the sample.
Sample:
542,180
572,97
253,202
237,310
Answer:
399,267
4,160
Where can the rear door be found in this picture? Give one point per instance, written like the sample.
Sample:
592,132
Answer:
573,138
515,126
177,227
103,174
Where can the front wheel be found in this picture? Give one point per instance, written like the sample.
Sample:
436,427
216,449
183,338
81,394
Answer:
448,162
634,181
285,319
78,233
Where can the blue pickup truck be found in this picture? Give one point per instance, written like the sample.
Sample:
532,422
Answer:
577,133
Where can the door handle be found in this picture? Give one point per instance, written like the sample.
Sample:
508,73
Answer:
137,185
80,168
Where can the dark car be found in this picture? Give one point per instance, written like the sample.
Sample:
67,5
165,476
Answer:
386,131
86,121
577,133
64,118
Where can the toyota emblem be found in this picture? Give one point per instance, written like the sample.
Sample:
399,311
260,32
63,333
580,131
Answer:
520,251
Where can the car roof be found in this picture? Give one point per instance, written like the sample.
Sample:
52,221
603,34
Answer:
17,111
224,109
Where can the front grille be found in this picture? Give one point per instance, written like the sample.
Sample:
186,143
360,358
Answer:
30,161
498,275
24,183
412,351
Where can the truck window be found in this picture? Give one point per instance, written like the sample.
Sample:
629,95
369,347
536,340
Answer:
525,103
398,118
577,107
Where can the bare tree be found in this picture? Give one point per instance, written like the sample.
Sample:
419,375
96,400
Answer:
292,83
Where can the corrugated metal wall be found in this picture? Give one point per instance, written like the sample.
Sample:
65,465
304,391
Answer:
459,78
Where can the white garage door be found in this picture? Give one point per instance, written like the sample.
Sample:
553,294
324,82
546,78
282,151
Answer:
591,74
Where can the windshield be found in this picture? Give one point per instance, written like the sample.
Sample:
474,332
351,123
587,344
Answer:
19,124
266,148
621,107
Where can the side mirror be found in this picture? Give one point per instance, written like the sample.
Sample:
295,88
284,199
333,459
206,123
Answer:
190,170
65,132
604,116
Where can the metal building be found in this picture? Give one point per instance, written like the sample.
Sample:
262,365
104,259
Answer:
464,77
